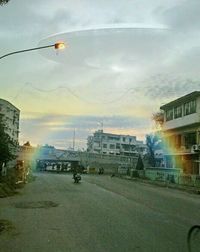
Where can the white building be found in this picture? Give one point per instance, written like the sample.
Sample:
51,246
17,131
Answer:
10,115
113,144
181,130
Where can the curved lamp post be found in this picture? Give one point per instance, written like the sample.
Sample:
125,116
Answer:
57,46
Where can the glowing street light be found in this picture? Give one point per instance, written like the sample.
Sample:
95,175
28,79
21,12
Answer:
57,46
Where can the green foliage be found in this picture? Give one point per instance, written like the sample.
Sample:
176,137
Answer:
6,145
2,2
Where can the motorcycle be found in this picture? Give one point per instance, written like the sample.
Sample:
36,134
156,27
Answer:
77,178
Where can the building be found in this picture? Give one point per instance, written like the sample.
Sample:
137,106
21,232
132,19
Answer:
24,162
181,131
10,115
113,144
26,153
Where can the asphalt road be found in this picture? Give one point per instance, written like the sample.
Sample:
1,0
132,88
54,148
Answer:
100,214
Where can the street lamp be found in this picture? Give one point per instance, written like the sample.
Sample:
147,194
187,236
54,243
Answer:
57,46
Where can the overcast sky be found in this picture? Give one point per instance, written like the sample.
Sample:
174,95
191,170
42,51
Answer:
119,76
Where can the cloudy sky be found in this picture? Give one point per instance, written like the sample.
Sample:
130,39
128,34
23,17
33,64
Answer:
123,60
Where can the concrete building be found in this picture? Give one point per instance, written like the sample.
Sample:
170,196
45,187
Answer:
113,144
10,115
181,130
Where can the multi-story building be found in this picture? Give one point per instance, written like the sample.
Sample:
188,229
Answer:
181,130
113,144
10,116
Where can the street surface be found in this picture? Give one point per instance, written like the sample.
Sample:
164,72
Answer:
99,214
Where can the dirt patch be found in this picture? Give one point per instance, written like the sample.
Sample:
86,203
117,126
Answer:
6,226
36,204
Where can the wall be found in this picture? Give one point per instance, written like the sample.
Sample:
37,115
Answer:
170,175
163,174
182,121
110,163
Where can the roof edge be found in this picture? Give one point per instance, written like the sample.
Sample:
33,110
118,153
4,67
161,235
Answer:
181,99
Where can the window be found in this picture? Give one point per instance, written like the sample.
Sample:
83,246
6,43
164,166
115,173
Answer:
178,111
117,146
169,115
112,146
190,107
124,139
104,146
113,138
190,139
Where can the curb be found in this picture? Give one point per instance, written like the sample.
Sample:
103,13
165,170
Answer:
188,189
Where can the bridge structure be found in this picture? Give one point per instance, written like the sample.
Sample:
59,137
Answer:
62,158
58,158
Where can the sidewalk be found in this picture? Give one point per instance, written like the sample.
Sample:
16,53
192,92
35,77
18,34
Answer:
189,189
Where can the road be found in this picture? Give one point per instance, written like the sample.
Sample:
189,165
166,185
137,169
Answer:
100,214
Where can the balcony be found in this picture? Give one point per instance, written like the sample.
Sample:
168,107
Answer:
182,121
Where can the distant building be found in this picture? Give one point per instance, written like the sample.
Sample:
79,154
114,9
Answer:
50,153
181,130
10,115
26,154
114,144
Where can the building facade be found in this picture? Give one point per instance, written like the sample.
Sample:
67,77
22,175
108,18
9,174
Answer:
181,131
113,144
10,116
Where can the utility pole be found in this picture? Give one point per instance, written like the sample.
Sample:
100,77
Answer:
102,126
101,139
74,135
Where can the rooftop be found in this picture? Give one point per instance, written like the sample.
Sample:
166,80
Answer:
180,100
9,103
112,134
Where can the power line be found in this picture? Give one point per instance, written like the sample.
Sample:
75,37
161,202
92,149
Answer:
72,93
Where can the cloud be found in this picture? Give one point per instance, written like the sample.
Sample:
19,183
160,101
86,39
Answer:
120,77
54,129
183,16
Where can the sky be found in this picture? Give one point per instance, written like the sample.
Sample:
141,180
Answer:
122,61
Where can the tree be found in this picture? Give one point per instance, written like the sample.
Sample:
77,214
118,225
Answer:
140,165
158,118
6,146
153,142
2,2
27,144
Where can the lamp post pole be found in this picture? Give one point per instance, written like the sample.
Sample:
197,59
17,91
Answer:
57,46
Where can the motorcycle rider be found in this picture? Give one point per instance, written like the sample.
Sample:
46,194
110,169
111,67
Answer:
74,173
76,176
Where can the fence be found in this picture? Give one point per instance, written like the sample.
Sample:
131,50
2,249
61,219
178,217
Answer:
170,175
